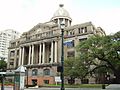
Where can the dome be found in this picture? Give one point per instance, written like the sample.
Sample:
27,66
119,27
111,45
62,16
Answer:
61,12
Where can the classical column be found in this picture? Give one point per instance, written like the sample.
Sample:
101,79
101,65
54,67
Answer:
40,54
92,28
43,59
23,55
52,52
29,55
32,54
8,63
63,19
58,21
15,58
56,51
68,23
20,50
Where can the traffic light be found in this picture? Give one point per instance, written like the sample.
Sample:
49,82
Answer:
59,68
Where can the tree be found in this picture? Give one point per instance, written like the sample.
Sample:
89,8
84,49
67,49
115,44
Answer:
101,52
69,70
3,65
75,68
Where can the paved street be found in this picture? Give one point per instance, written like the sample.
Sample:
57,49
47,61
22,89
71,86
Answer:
7,88
110,87
59,89
115,86
10,88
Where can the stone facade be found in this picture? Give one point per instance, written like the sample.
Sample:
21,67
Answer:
39,49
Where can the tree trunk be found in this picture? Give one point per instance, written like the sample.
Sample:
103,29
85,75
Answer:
71,80
117,78
84,81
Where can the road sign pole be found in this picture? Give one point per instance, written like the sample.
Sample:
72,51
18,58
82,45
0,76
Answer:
2,81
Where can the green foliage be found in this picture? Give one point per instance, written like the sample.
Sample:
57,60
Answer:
75,68
76,85
69,68
101,53
96,55
3,64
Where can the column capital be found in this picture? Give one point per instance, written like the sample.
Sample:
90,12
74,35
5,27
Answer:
52,40
56,40
40,43
32,44
20,46
43,42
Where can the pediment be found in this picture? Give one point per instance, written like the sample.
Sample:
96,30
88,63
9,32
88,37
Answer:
41,28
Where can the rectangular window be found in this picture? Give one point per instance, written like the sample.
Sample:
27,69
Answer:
85,29
67,33
79,30
34,81
12,53
46,81
82,39
17,52
71,54
70,33
82,30
11,63
46,72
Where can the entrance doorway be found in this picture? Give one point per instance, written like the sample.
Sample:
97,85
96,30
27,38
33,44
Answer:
34,82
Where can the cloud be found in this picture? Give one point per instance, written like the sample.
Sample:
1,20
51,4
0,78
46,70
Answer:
22,15
108,19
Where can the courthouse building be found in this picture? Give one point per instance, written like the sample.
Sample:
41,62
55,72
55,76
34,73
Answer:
39,49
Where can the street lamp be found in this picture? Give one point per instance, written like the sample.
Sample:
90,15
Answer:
26,74
62,26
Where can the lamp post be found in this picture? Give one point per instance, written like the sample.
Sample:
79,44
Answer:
27,78
26,72
2,77
2,81
62,26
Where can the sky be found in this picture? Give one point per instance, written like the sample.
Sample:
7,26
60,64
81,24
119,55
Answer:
22,15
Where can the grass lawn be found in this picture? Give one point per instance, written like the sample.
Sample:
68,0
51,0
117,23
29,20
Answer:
78,86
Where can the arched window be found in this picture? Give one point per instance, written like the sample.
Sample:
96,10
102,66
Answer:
34,72
46,72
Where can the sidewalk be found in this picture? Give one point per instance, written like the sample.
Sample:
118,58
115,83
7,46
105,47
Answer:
113,86
110,87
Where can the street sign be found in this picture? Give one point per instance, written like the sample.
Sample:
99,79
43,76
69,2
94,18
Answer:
57,79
